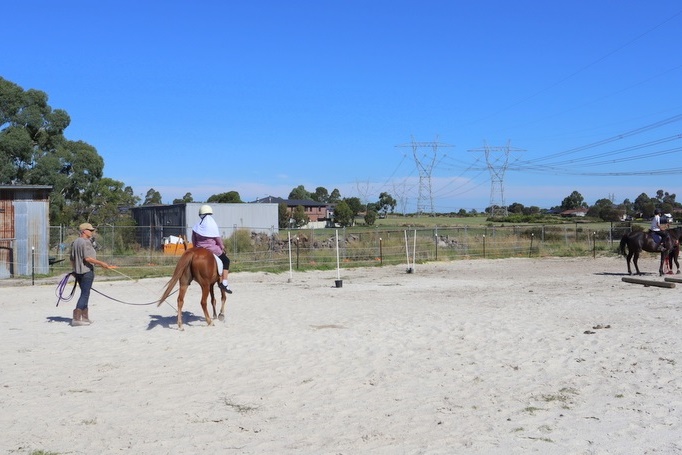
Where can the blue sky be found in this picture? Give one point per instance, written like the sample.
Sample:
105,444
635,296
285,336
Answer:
260,97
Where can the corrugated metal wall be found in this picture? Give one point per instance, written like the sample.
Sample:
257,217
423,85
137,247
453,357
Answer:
6,235
159,221
24,244
32,245
256,217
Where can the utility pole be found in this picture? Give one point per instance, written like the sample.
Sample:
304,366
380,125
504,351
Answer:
425,164
497,160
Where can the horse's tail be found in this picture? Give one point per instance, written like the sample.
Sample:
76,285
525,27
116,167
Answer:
184,262
623,242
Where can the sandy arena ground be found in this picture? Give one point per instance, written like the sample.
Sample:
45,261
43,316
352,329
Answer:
510,356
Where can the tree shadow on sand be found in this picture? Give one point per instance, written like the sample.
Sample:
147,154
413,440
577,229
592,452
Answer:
166,321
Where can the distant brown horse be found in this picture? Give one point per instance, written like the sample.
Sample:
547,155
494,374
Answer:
200,265
638,241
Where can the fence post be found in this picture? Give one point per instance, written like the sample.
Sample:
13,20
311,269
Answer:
594,245
435,237
530,251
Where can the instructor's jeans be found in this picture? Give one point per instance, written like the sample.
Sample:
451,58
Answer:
84,280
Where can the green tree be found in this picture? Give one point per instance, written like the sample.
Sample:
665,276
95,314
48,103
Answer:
354,204
335,196
283,215
515,207
606,210
644,206
230,197
300,193
627,205
386,203
104,202
152,197
370,217
185,199
665,198
34,151
299,216
343,214
320,195
574,201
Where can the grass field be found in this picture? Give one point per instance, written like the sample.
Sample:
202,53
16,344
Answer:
393,240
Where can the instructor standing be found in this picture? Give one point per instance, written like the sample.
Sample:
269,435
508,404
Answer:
83,261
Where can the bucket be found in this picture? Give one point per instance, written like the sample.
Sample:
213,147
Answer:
338,283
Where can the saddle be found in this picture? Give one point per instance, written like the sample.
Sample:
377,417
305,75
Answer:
659,240
656,237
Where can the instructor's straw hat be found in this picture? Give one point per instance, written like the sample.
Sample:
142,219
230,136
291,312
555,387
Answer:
86,227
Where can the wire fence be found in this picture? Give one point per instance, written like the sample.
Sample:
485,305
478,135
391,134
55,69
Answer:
267,249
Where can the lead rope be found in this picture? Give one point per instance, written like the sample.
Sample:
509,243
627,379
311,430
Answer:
59,292
61,286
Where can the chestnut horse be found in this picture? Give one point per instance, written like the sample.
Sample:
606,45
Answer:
200,265
638,241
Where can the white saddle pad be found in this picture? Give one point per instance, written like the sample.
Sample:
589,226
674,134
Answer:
219,263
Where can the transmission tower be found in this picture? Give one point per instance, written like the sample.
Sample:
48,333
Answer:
425,166
497,160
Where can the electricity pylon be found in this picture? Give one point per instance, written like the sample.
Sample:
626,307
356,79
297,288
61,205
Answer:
425,166
497,160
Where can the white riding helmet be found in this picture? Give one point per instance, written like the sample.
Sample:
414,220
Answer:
205,210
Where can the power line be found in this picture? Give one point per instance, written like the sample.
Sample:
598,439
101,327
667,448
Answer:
497,165
425,167
581,69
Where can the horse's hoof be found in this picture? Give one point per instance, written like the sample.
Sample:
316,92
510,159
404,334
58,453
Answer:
221,317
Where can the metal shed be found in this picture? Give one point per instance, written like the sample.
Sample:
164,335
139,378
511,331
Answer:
156,222
24,230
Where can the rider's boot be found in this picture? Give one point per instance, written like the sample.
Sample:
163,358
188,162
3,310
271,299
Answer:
85,318
78,318
224,284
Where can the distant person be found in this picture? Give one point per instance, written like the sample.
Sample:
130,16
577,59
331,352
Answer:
83,260
657,230
205,234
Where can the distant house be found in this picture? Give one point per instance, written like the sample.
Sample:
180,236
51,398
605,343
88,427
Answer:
574,213
316,211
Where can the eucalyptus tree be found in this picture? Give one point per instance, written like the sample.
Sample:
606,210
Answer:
34,151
